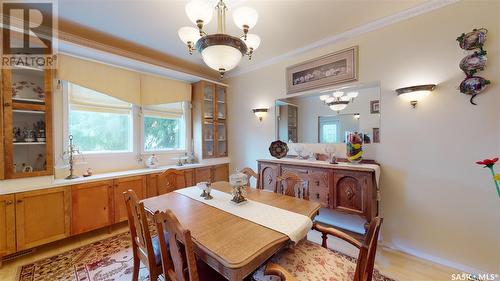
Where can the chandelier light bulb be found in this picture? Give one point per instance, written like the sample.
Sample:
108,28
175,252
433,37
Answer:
189,34
352,94
338,107
323,97
345,98
245,18
198,10
329,99
252,41
338,94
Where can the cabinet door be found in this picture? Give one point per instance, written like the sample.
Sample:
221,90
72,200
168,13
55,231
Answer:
137,184
267,176
208,100
221,173
189,177
92,206
202,174
350,191
7,225
221,140
209,139
152,185
42,216
220,102
27,121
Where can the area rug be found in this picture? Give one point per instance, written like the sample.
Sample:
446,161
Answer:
106,260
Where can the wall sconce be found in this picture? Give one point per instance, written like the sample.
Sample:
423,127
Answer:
260,112
415,93
356,116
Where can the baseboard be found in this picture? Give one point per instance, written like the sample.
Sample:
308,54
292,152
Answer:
461,268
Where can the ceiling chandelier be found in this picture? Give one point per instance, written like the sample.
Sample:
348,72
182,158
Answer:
220,51
338,100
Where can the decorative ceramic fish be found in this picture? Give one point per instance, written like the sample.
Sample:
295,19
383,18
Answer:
473,86
473,62
473,40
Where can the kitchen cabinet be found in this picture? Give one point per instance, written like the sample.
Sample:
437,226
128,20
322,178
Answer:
92,206
42,216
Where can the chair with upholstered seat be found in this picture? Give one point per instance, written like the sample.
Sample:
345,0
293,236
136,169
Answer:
292,184
145,248
308,259
181,264
250,173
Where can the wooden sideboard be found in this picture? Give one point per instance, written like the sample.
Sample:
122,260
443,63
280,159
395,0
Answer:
78,208
344,189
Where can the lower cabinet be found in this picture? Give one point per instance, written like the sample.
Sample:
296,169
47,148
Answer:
202,174
7,225
221,173
42,216
137,184
92,206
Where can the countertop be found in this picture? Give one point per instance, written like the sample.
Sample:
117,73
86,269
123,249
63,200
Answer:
37,183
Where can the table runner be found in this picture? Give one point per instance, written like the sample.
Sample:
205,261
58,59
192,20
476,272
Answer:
289,223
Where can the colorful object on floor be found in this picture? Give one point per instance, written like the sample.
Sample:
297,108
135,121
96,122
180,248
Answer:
471,64
108,259
490,163
355,147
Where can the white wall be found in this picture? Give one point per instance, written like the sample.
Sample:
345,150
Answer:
436,202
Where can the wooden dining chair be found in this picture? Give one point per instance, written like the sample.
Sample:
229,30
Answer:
181,264
251,173
145,248
292,184
307,255
170,180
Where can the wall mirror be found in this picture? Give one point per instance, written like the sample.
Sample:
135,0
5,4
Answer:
326,116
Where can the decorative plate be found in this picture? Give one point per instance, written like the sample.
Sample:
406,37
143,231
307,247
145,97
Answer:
473,85
473,62
278,149
473,40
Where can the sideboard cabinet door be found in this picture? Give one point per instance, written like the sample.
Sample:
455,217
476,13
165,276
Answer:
92,206
7,225
268,174
42,216
137,184
350,191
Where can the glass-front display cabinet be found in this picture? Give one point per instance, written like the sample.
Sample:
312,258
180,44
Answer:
27,122
209,119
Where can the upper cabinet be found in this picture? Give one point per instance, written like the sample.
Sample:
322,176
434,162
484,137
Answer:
209,119
27,122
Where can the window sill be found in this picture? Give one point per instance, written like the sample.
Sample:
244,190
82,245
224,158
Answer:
164,152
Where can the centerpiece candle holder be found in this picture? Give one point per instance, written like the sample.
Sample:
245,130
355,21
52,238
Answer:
238,182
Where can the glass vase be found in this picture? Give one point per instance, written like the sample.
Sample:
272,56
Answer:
354,144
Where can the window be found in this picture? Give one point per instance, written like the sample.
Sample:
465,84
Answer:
328,130
98,122
164,127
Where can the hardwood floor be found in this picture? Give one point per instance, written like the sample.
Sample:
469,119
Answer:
399,266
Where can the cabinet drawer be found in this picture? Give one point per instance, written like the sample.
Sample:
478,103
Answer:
320,195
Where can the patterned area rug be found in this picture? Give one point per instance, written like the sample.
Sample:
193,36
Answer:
111,259
108,259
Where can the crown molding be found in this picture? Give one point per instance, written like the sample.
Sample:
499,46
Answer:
357,31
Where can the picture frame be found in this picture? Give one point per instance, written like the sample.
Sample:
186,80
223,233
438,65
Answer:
332,69
376,135
374,106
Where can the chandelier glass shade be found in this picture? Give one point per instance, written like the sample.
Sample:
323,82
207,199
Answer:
338,100
220,51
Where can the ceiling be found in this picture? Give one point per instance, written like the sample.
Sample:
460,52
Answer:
284,25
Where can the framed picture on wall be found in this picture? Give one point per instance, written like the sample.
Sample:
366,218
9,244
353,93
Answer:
376,135
328,70
374,106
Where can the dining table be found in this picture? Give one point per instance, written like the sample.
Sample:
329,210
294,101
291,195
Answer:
233,246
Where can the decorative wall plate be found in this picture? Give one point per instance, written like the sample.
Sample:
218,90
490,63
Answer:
472,86
473,40
278,149
473,62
